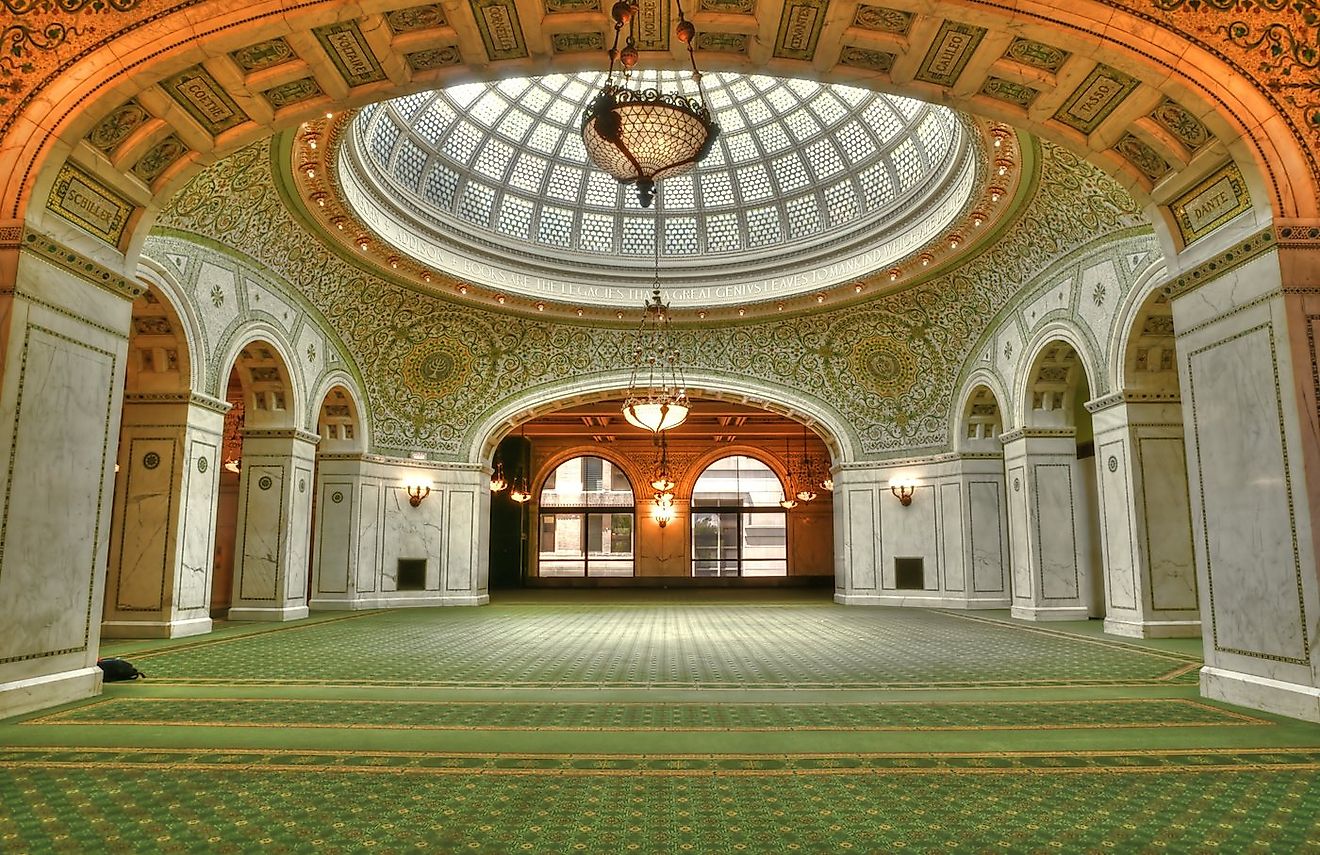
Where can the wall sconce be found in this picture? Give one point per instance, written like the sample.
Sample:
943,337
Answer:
902,491
417,489
663,514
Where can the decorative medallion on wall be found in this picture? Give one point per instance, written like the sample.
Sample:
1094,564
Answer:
416,18
875,60
265,482
723,42
1010,91
83,201
1210,204
336,497
293,92
437,370
424,60
884,364
577,42
1036,55
1142,156
116,127
263,55
158,159
1179,122
1017,485
202,464
882,20
302,485
151,460
1112,463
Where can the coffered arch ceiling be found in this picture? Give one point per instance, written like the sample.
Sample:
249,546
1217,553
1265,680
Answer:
107,113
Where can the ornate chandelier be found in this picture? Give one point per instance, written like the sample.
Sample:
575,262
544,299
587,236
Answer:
642,136
657,395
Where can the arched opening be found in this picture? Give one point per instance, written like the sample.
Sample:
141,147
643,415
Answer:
1055,524
586,520
336,573
982,422
591,478
739,524
159,566
263,517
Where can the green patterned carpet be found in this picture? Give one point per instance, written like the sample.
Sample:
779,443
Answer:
606,723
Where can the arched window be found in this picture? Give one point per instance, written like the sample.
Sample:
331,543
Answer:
586,520
738,527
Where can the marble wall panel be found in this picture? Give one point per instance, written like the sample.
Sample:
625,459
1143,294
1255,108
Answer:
1117,538
863,540
1250,538
1166,510
369,545
460,526
951,538
261,531
411,533
334,529
986,532
909,532
64,414
201,489
143,552
300,534
1021,546
1056,526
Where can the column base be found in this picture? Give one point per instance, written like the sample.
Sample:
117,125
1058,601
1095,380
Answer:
916,600
1153,628
48,690
1044,613
155,629
1261,693
267,614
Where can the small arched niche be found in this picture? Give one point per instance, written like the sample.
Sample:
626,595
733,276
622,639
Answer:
1150,364
339,423
982,422
158,356
1057,388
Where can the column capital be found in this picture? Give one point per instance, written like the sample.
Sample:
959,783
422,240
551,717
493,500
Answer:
282,433
193,399
1038,433
53,252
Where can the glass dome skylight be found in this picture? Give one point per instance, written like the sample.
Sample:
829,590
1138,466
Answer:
803,176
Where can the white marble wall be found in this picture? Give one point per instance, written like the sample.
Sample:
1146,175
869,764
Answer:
64,345
361,538
158,582
955,524
1048,528
1247,365
1145,519
274,525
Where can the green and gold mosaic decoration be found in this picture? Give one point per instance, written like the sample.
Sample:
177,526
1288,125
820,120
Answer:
657,723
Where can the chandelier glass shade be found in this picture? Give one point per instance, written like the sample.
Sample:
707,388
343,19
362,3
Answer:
657,397
498,482
642,136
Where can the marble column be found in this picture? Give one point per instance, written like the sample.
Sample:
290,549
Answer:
945,549
1047,513
273,535
64,325
1145,518
375,549
1247,323
162,534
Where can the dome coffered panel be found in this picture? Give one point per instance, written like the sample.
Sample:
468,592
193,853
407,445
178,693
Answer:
1158,100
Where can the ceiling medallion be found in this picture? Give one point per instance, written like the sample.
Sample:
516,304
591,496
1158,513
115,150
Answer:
642,136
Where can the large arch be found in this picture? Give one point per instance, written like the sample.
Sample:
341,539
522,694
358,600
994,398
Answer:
1153,57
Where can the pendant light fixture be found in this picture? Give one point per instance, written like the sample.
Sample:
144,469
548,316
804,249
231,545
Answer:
641,136
498,482
521,492
788,503
806,472
657,395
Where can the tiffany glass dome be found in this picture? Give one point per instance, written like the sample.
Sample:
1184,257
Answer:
808,185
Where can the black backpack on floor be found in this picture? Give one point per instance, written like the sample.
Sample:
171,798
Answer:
118,669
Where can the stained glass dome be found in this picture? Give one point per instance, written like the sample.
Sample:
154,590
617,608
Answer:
808,185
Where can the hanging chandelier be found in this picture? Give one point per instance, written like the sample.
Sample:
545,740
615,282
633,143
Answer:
657,397
806,472
498,481
641,136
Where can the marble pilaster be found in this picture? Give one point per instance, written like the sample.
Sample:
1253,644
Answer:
273,534
1145,518
1247,324
162,534
63,343
1047,515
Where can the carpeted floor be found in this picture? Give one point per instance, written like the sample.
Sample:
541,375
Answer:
608,722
